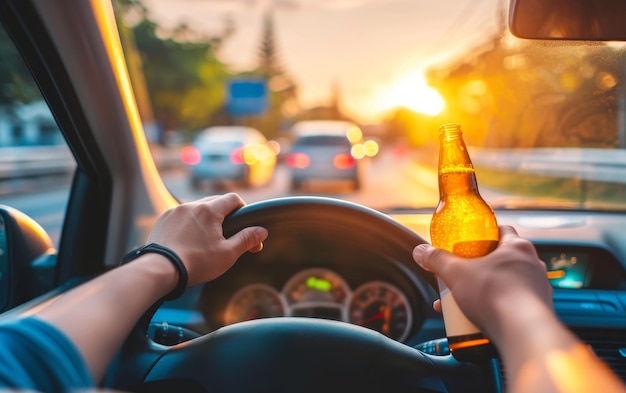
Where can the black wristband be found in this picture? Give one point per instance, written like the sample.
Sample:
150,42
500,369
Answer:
183,276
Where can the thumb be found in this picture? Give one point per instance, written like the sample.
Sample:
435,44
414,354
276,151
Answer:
248,239
433,259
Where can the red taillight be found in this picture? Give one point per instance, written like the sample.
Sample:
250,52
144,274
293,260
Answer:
236,156
189,155
344,161
298,160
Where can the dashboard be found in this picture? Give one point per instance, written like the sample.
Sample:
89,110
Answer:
352,287
314,271
380,296
323,293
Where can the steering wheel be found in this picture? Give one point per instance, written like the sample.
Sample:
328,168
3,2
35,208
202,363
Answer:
301,354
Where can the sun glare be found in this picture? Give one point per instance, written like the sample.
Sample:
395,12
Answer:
412,92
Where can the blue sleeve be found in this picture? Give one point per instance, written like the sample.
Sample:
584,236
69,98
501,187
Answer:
38,356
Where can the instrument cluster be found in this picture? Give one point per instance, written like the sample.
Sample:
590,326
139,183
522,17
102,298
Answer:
323,293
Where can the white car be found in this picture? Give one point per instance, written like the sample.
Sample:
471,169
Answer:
224,154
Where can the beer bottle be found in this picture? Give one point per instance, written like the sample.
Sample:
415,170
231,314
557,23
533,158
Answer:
464,224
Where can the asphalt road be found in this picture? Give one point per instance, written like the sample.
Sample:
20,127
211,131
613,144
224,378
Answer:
391,180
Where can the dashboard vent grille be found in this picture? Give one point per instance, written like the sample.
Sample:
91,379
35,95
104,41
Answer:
607,344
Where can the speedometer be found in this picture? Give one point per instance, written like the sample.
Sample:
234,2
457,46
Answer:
382,307
253,302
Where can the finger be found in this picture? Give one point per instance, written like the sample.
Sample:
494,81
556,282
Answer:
225,204
419,254
248,239
507,233
208,198
433,259
437,305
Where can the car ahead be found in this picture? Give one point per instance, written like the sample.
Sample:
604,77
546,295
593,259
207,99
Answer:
223,154
334,302
322,151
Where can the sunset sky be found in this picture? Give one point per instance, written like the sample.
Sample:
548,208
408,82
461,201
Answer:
373,51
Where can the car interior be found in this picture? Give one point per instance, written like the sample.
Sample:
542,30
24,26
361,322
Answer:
305,313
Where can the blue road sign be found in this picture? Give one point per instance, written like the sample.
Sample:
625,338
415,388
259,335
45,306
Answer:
246,97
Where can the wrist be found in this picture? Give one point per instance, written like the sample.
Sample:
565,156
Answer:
164,255
157,269
515,314
516,321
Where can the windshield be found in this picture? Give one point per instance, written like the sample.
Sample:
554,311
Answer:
544,121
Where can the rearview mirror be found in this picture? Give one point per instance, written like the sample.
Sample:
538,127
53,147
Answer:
591,20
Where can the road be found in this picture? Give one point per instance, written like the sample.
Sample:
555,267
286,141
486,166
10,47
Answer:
394,179
391,180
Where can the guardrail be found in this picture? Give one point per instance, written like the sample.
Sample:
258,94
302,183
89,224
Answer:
604,165
166,157
28,168
35,161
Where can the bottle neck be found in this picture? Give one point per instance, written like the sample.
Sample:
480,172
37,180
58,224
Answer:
457,183
456,172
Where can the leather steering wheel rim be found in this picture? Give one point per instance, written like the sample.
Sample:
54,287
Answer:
330,212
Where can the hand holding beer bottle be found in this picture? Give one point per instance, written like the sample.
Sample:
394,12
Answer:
464,224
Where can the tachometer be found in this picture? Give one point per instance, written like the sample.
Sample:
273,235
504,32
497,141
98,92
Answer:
382,307
253,302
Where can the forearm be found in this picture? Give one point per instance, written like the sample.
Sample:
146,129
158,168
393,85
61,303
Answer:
97,316
553,361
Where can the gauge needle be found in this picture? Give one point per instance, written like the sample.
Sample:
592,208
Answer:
374,317
387,313
252,314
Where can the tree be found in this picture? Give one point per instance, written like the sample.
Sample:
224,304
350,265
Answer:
534,95
185,80
16,83
283,102
268,53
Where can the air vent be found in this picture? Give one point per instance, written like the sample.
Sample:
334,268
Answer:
609,345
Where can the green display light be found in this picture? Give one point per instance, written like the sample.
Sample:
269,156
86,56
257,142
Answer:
318,283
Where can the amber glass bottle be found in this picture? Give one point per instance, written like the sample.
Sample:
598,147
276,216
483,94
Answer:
464,224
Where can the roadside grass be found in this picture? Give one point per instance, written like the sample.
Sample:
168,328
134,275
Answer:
580,191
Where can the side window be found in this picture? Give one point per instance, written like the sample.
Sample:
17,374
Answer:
36,165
